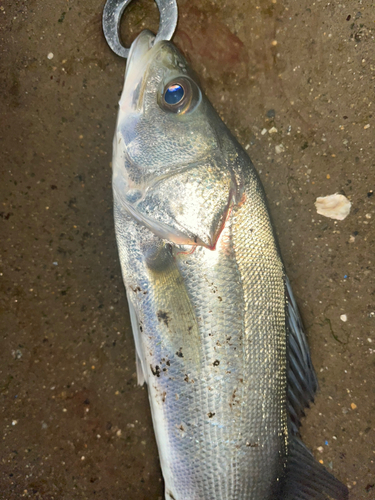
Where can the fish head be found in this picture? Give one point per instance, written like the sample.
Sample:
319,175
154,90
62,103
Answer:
169,170
158,135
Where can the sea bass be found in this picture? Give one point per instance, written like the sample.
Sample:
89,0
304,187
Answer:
219,340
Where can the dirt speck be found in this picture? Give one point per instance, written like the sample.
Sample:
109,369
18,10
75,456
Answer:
164,317
155,371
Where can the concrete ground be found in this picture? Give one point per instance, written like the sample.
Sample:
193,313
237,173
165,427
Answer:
294,81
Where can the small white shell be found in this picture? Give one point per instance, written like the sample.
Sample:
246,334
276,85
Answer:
334,206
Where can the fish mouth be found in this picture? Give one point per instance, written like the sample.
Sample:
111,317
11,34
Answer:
142,52
138,52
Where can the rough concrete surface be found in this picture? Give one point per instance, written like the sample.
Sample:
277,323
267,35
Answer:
294,81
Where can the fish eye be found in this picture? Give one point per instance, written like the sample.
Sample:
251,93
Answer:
180,95
174,94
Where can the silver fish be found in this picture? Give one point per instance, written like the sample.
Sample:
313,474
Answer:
218,336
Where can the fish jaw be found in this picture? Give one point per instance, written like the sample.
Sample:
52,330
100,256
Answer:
138,59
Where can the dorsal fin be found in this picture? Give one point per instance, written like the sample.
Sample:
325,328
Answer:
305,478
302,382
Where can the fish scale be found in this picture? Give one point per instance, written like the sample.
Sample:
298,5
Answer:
265,360
211,294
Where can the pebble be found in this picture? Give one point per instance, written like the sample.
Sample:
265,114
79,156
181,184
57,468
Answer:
353,406
50,55
279,149
335,206
272,130
320,449
344,318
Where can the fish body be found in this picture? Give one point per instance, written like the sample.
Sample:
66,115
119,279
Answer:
218,336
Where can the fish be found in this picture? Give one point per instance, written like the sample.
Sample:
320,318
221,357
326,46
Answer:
218,335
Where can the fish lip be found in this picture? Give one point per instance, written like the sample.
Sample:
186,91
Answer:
136,72
139,48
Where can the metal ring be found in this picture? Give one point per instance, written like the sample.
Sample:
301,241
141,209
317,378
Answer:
112,14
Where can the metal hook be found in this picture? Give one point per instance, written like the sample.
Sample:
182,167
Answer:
112,14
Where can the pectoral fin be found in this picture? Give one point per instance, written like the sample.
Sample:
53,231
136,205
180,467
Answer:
141,379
